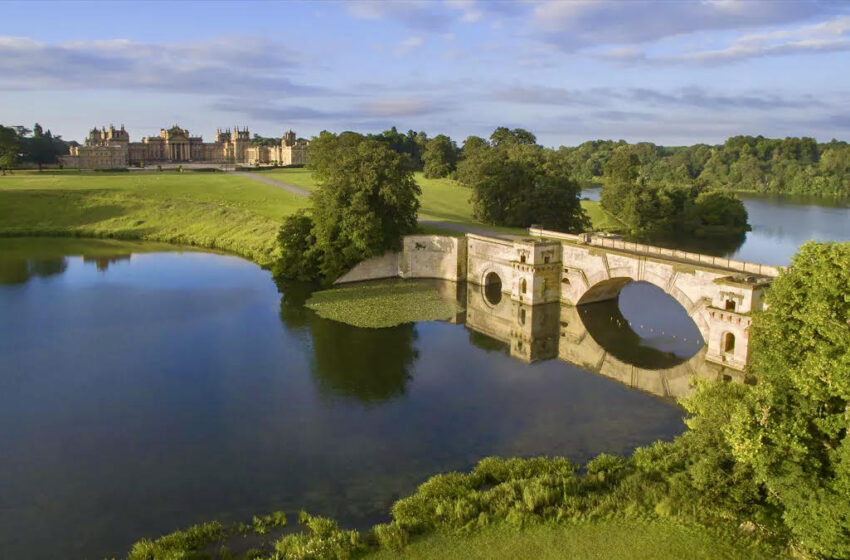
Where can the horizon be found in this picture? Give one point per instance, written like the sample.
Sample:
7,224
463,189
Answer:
674,74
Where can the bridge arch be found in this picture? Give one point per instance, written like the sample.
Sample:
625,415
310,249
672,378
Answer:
492,287
610,288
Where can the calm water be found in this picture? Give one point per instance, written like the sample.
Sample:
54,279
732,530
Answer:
142,392
780,225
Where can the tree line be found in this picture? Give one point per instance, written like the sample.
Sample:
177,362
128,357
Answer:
23,145
742,163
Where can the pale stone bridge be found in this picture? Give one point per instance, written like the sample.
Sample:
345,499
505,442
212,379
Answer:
550,267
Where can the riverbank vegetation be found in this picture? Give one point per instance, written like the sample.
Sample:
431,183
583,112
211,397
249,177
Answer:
762,468
384,304
650,211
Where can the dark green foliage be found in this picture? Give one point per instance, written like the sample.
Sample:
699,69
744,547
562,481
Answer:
440,157
517,183
504,136
651,210
411,145
366,201
791,429
299,258
742,163
10,148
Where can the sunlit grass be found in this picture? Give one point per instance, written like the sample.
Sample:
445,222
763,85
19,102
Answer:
211,210
605,540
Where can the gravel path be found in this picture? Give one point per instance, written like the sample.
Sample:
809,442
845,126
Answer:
273,182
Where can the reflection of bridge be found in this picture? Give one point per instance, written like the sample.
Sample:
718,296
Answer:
555,330
718,294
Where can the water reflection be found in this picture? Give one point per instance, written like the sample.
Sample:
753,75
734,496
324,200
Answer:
601,339
20,271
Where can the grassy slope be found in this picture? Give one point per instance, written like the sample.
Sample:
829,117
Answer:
205,209
601,219
605,540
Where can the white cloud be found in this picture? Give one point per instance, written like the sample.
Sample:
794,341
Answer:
408,45
398,107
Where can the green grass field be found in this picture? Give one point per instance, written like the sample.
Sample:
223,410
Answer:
605,540
212,210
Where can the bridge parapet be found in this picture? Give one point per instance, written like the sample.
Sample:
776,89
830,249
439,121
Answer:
653,251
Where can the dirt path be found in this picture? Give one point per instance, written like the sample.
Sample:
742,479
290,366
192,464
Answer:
273,182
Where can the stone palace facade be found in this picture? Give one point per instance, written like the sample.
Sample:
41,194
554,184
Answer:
108,148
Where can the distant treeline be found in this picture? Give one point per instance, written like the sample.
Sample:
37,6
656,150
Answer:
742,163
23,145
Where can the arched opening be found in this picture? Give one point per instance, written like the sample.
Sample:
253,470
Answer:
492,288
522,286
730,305
729,343
640,324
522,316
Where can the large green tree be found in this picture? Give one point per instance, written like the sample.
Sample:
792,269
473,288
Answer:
440,157
366,201
791,429
518,184
10,148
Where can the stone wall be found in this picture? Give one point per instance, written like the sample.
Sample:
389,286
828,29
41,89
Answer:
422,256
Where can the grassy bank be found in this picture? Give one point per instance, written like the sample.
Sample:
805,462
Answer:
605,540
210,210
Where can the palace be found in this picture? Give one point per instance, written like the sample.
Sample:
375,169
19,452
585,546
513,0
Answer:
107,148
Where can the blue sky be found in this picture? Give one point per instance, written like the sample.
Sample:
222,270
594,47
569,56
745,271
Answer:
674,72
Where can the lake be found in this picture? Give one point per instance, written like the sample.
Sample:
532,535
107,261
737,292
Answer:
144,389
780,223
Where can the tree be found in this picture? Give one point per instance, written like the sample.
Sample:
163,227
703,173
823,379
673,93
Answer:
518,184
792,427
504,136
10,147
366,201
440,157
41,148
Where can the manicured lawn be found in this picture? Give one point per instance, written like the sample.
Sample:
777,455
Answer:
609,540
212,210
602,219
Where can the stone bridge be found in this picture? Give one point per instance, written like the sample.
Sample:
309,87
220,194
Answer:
549,267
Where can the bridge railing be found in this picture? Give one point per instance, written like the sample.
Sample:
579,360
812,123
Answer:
651,250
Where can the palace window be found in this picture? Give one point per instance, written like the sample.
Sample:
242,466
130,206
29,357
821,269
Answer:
729,343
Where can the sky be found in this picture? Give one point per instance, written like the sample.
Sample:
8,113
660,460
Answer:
669,72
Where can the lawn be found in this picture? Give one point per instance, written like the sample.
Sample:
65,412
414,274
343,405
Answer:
212,210
605,540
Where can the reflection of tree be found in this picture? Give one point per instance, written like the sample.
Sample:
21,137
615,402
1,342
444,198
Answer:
19,271
102,263
293,296
370,365
610,329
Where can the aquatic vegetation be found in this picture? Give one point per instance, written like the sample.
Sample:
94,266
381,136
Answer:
384,304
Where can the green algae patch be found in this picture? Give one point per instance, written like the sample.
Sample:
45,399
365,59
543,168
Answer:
387,303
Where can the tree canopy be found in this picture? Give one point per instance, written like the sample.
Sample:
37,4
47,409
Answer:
742,163
440,157
516,183
791,428
366,201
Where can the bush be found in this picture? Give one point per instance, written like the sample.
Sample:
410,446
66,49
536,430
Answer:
324,541
391,536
